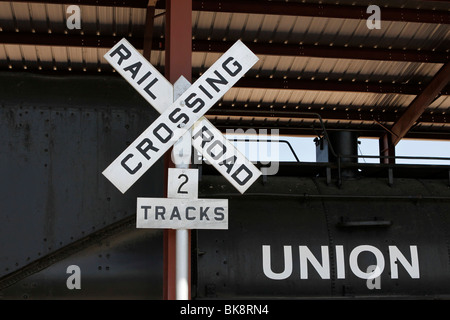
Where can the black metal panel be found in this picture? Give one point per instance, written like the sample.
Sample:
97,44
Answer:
57,135
125,266
299,211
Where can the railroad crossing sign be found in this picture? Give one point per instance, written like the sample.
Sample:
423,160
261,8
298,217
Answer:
178,116
182,209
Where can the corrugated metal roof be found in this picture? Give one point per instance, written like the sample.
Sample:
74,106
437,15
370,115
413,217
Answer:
338,33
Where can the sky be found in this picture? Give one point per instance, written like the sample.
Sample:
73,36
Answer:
305,149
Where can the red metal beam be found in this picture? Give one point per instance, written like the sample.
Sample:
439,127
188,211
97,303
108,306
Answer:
98,3
321,10
94,41
421,103
386,148
322,51
148,30
178,57
281,8
329,112
332,85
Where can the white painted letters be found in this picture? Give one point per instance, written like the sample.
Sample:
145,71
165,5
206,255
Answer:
306,255
412,268
373,272
267,266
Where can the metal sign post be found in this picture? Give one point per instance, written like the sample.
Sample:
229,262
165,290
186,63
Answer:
181,155
182,107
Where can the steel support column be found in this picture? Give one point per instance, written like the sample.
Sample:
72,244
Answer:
421,103
387,149
148,32
401,127
178,62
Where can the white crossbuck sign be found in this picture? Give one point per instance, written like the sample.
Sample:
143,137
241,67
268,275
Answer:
178,116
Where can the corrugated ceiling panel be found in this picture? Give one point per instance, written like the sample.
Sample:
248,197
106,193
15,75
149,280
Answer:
220,26
442,103
325,98
233,29
5,11
201,24
122,21
157,59
57,18
251,25
202,60
39,22
299,29
285,27
284,96
21,14
137,21
76,56
13,52
333,69
90,56
3,56
268,29
29,55
60,56
106,20
413,4
401,100
259,27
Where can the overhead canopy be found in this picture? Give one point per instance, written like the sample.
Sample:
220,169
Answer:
316,57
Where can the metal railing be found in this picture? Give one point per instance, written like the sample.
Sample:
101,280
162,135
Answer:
338,156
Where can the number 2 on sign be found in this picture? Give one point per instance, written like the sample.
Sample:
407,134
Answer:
183,183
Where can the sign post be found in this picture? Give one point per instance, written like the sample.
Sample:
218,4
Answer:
181,155
181,125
